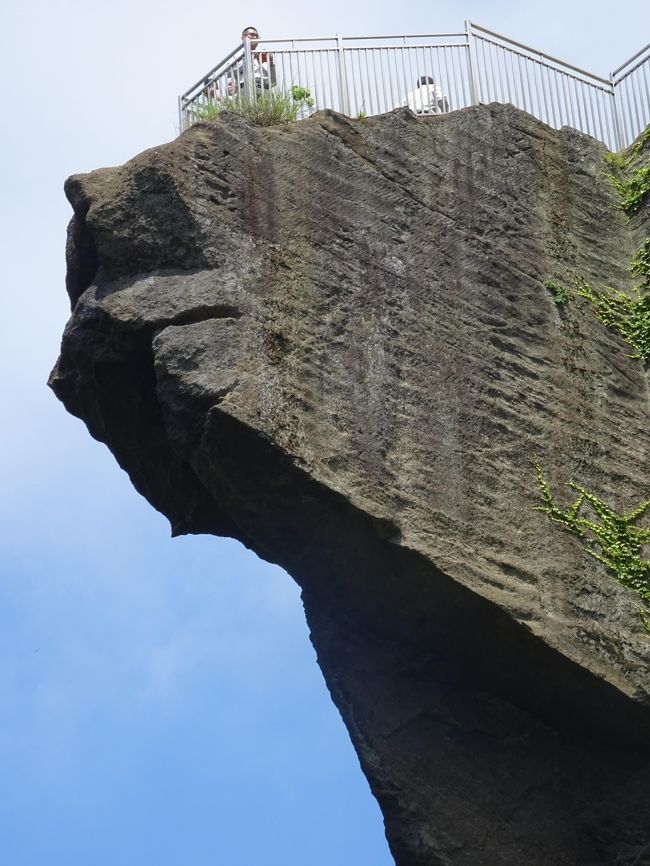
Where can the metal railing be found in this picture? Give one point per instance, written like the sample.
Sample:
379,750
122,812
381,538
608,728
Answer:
631,85
431,74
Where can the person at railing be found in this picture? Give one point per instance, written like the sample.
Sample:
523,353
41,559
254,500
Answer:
263,71
427,98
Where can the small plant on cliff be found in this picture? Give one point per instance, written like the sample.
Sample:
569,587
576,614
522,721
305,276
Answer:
268,108
613,539
628,315
559,292
632,185
640,265
633,189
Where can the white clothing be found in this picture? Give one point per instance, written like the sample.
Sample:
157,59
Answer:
426,99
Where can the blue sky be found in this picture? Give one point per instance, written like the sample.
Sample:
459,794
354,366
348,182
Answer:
159,699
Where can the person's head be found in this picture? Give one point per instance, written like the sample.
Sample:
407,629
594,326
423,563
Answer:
252,34
426,79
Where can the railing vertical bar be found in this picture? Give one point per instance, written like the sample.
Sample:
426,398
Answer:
593,111
602,117
512,79
363,81
549,81
507,69
462,59
472,66
575,116
488,72
498,62
368,78
364,54
455,78
539,99
439,56
529,66
517,80
581,105
356,106
503,59
492,80
392,55
379,80
408,72
572,116
521,92
561,99
481,72
636,89
596,125
621,96
375,78
646,78
382,55
495,95
321,103
343,84
438,78
402,63
548,104
586,90
452,78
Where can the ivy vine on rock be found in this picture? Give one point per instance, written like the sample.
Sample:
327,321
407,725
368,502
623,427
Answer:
613,539
629,315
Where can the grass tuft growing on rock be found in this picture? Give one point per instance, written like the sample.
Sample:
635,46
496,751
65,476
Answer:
268,108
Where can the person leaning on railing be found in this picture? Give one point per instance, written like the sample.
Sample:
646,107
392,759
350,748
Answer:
427,98
263,71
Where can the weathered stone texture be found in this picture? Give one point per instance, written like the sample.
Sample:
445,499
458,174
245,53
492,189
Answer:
332,341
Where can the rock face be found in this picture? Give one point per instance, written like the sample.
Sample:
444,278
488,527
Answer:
331,340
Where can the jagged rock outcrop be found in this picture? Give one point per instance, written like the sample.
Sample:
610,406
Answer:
331,340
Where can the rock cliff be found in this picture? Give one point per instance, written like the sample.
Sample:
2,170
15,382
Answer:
332,341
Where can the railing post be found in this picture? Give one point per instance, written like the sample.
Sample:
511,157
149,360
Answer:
473,65
249,83
343,77
181,123
618,116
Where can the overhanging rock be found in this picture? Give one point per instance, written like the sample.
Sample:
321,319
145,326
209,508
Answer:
331,340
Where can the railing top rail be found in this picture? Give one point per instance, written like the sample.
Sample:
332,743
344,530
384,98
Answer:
362,47
631,60
542,54
366,38
209,74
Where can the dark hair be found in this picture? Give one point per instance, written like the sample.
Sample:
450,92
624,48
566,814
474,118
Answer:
426,79
250,28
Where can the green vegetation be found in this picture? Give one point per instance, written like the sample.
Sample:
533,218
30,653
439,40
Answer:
634,185
560,292
628,315
633,189
640,265
268,108
613,539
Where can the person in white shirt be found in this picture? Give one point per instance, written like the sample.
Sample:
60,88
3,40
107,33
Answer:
427,98
263,65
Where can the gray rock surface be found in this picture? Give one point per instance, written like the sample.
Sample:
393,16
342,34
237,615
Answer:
331,340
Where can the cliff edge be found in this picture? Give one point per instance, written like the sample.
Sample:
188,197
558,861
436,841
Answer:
335,341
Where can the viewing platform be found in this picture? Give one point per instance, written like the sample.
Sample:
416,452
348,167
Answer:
431,74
